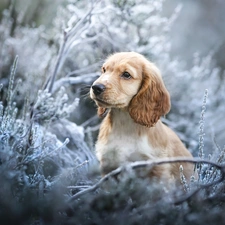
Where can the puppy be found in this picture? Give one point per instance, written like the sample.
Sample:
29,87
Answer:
131,92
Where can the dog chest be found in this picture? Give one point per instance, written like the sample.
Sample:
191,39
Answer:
121,149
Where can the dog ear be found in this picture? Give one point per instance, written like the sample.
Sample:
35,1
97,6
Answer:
152,101
101,112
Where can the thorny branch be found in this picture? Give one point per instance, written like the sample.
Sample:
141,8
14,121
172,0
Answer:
150,165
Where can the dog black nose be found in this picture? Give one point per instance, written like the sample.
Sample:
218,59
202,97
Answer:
98,88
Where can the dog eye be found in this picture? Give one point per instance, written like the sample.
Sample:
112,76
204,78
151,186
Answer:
103,69
126,76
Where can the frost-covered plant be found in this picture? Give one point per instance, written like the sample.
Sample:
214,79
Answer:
32,159
48,108
123,197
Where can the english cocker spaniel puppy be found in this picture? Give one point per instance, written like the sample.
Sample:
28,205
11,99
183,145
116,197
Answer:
131,92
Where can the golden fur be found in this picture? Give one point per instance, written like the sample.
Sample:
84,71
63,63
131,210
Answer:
132,130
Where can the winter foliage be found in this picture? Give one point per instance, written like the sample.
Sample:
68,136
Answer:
48,170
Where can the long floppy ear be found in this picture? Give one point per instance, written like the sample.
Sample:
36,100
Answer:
152,101
101,112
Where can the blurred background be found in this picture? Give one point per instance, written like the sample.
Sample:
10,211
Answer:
186,40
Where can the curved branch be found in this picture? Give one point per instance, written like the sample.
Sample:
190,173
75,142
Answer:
144,164
97,185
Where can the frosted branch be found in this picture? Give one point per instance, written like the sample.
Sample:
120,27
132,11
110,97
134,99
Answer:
150,165
69,42
87,78
84,69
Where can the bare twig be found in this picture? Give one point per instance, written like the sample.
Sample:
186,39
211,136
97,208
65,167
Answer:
82,21
92,129
77,36
150,165
84,69
68,39
97,185
78,187
86,78
87,122
58,61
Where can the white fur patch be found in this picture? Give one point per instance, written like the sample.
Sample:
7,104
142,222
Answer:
124,144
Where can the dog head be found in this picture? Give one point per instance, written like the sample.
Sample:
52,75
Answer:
130,81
